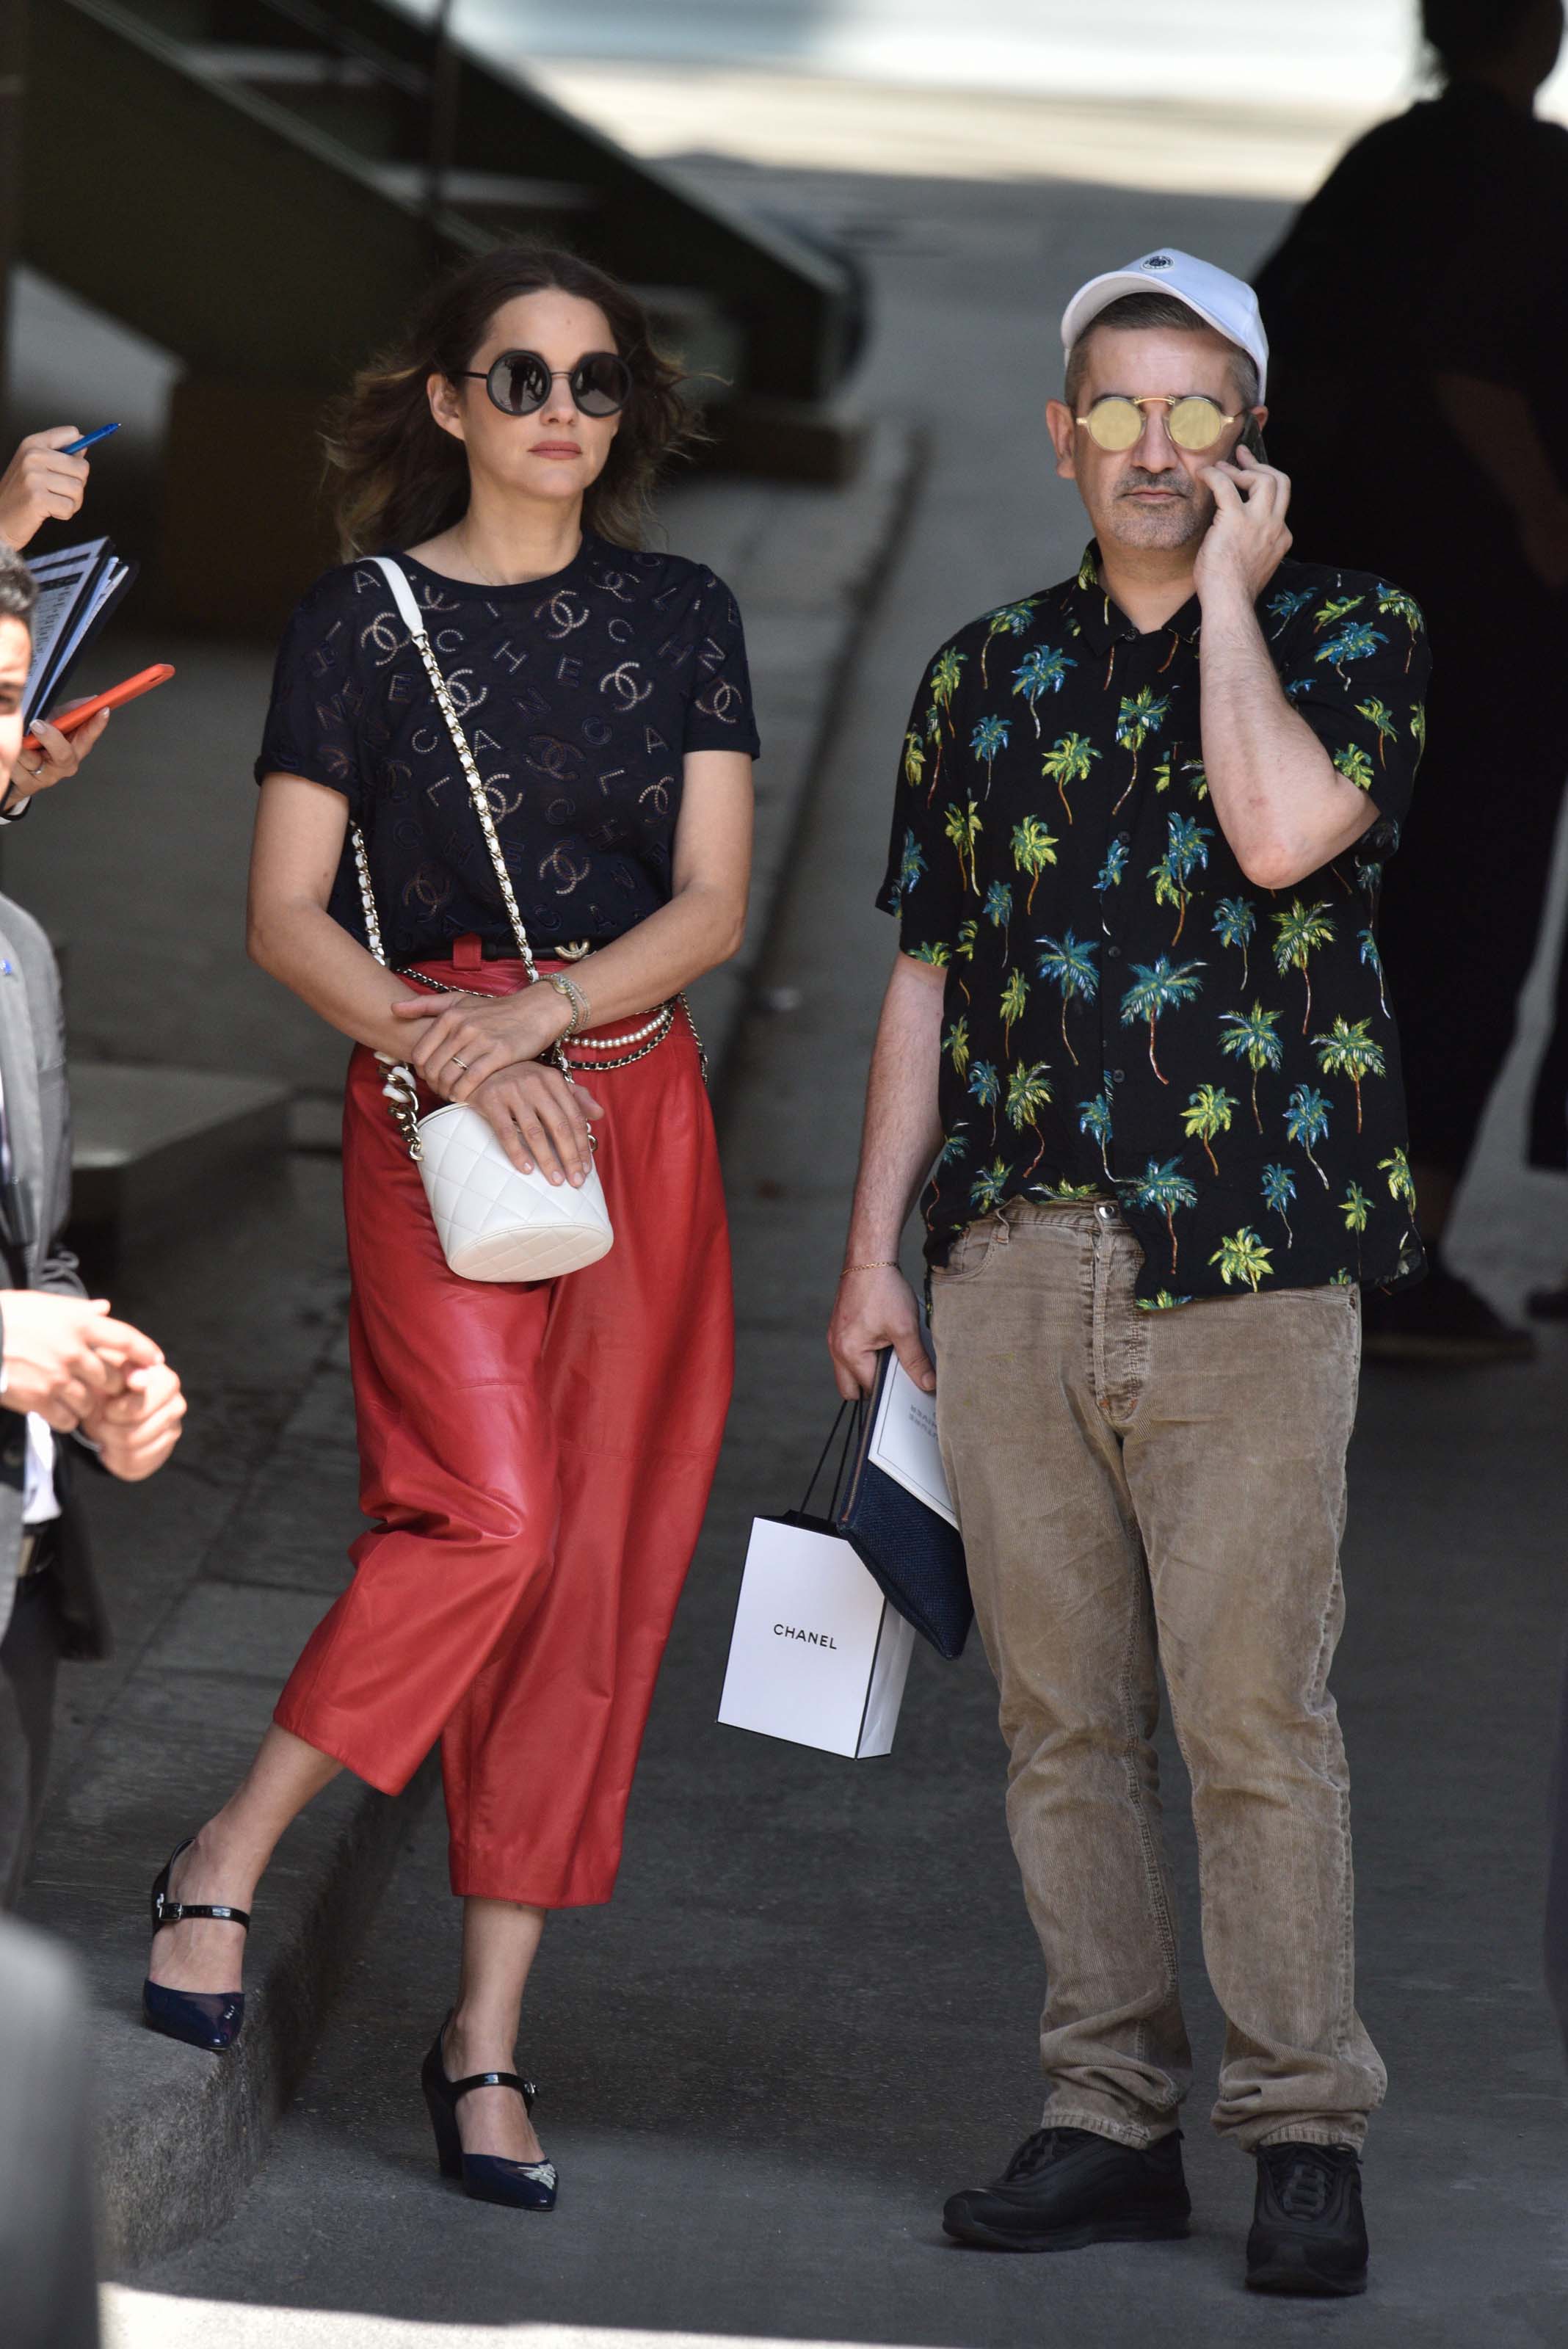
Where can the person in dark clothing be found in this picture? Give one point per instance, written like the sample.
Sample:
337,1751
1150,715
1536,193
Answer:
1432,251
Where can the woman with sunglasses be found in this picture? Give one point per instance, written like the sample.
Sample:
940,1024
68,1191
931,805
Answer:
536,1458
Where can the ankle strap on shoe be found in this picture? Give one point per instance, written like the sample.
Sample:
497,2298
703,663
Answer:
525,2088
177,1912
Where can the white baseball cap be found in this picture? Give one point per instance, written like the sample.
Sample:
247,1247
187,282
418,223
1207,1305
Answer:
1225,303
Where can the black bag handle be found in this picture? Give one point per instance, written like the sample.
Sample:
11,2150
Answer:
857,1407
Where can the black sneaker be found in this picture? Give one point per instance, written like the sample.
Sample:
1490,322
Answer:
1308,2234
1443,1321
1065,2188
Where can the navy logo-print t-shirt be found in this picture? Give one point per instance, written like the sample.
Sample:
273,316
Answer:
579,693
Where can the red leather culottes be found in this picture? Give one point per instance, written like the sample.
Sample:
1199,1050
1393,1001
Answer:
537,1458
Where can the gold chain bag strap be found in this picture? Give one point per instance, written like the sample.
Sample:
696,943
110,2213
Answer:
494,1223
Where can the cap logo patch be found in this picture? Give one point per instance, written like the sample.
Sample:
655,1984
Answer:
1158,261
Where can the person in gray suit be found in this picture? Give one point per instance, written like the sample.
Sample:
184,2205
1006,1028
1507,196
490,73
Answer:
48,2269
68,1368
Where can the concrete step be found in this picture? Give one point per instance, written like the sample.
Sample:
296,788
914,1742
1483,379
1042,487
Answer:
150,1146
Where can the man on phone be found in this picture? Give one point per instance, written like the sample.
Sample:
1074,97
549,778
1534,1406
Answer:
1139,1021
68,1369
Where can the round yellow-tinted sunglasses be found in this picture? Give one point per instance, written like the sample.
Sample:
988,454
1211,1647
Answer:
1193,420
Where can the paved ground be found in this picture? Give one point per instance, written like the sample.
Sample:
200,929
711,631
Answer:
810,2013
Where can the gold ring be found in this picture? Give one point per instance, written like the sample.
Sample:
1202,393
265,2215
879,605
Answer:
457,1063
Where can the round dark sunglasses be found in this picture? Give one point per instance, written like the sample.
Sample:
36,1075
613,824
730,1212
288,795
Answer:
519,382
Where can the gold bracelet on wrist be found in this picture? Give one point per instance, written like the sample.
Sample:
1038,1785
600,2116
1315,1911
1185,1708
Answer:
577,1000
880,1264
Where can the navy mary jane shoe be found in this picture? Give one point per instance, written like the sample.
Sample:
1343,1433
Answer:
486,2176
209,2018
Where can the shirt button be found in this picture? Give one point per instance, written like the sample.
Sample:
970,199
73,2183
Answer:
1113,952
1118,1076
1123,839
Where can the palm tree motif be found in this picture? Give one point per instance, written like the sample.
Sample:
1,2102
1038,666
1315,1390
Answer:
1027,1094
1401,1186
989,1188
913,758
1111,871
954,1146
1015,996
1279,1190
1418,726
1034,848
1235,920
986,1086
1070,963
1162,1301
1142,713
1206,1113
1336,608
945,676
1379,715
1157,986
1010,621
1042,670
1358,641
964,944
1306,1122
1186,853
1161,1189
1355,765
998,908
1162,774
1096,1121
1068,762
989,737
1241,1255
1283,609
911,865
963,828
1302,929
1395,605
955,1044
1249,1035
938,953
945,672
1197,776
1371,954
1355,1206
1068,1194
1347,1050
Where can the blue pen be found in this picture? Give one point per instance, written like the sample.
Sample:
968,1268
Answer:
75,447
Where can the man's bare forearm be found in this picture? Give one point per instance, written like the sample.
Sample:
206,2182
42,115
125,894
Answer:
1280,802
903,1126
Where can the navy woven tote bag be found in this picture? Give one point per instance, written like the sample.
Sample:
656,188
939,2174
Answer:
913,1555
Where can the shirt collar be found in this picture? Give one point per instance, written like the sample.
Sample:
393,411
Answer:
1101,620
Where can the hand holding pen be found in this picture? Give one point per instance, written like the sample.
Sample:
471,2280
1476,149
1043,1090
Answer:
46,480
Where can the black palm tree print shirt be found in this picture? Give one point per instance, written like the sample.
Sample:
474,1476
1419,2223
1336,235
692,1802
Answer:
1126,1015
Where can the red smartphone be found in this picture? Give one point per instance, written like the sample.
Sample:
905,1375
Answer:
127,690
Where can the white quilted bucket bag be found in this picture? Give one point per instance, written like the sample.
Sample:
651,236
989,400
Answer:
493,1222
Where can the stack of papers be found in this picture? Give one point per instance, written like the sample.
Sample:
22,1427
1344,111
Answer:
79,586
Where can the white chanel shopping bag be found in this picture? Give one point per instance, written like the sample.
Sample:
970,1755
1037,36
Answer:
817,1655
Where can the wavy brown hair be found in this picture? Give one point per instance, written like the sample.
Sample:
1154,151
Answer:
399,478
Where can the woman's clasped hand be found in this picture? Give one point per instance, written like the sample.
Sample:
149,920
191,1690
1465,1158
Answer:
485,1051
